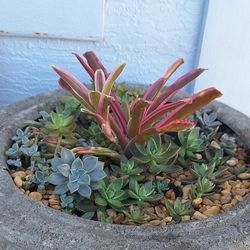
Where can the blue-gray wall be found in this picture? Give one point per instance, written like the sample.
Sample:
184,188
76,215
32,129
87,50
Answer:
148,35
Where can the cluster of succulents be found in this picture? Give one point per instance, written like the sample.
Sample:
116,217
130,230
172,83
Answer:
108,148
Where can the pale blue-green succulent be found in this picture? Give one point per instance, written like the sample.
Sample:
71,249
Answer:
76,175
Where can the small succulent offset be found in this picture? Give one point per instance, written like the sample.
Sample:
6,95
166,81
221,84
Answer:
207,171
76,175
41,172
157,156
128,169
111,194
178,208
60,126
160,186
24,149
104,217
207,119
146,116
22,136
66,201
14,155
144,192
228,144
191,143
135,214
203,188
216,156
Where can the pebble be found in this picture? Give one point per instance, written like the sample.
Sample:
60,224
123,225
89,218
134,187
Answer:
232,162
215,196
212,211
53,202
53,197
207,202
227,186
168,219
172,197
199,216
238,197
28,172
21,174
225,199
155,222
18,181
239,191
234,201
225,192
46,196
182,177
168,193
159,212
198,156
244,176
160,178
119,218
163,223
49,192
177,183
185,190
45,202
56,207
185,218
112,213
214,144
226,207
36,196
196,202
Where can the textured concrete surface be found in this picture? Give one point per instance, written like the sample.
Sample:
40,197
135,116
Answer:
147,35
25,224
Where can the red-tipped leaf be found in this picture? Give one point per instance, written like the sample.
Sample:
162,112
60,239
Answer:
85,65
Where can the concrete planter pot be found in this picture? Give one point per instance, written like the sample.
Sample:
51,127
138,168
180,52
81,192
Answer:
25,224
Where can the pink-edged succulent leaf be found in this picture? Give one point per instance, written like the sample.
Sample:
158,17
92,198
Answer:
174,88
176,126
157,86
74,86
94,62
89,70
111,79
118,113
161,111
173,68
122,138
99,80
136,116
96,151
198,101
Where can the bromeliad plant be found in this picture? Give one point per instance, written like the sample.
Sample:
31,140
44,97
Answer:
145,117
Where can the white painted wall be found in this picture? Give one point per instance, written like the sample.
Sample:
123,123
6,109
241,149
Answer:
226,52
147,34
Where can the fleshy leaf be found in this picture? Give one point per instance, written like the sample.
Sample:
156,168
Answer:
57,179
97,175
85,191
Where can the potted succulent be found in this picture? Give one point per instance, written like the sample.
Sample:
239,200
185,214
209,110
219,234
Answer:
140,166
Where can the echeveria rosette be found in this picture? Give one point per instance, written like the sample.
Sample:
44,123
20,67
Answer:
76,175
